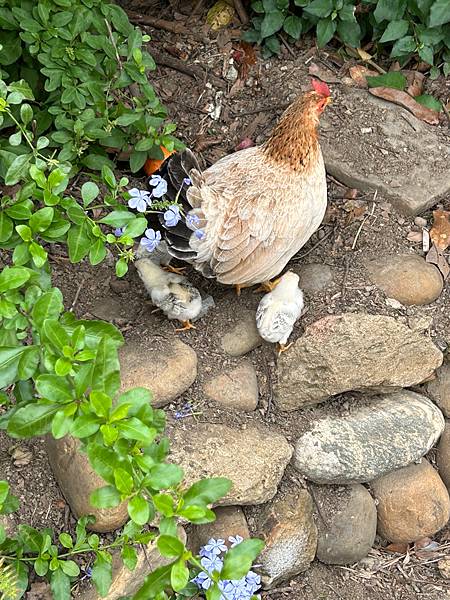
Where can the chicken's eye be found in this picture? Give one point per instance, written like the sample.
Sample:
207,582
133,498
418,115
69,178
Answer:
322,103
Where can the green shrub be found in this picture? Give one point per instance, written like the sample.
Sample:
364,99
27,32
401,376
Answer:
402,27
87,71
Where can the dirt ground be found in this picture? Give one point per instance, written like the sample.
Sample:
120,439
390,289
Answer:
355,230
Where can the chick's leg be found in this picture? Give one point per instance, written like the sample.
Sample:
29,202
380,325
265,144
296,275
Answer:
177,270
186,326
268,286
283,347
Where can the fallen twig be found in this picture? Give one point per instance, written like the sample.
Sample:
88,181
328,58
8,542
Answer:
240,9
194,71
327,235
358,233
171,26
75,300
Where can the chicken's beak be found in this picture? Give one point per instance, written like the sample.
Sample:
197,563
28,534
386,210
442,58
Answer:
328,100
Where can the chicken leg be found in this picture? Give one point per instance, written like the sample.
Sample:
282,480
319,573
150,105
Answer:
283,347
268,286
177,270
186,326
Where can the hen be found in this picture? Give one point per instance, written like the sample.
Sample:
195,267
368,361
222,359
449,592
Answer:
279,310
250,212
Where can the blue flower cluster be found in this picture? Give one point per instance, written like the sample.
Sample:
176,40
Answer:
141,200
212,560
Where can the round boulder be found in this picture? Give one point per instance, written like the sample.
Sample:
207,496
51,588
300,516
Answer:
413,503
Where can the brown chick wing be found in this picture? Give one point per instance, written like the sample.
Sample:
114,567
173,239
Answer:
257,214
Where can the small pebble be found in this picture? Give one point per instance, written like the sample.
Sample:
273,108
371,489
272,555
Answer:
420,222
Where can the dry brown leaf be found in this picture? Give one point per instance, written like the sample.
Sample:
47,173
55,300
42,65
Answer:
415,82
440,231
358,73
403,99
322,73
351,194
435,257
398,548
415,236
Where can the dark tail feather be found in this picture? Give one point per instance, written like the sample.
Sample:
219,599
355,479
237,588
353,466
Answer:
174,170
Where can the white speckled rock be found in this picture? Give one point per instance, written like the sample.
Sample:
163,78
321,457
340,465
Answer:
348,352
288,529
389,432
253,458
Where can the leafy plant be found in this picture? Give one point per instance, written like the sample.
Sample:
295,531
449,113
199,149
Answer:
87,76
403,28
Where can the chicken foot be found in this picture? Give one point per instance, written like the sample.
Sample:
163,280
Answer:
177,270
268,286
283,347
186,326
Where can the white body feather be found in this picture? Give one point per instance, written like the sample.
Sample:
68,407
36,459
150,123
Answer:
172,293
279,310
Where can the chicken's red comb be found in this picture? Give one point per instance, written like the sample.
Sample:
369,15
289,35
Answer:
321,87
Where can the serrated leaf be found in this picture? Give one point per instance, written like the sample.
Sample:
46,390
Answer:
439,13
293,26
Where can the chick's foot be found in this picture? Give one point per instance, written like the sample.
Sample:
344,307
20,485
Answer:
283,347
268,286
186,326
177,270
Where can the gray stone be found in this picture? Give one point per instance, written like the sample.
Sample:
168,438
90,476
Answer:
412,180
290,534
230,521
243,336
167,368
443,456
253,458
387,433
412,503
236,389
347,523
439,389
406,277
125,583
110,309
77,480
353,352
315,277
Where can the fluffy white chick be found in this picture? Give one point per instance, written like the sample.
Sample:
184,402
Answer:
279,310
172,293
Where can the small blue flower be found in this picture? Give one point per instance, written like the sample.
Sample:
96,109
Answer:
118,232
211,563
159,184
187,181
199,234
139,199
151,240
235,540
172,215
202,581
215,547
88,571
253,581
192,221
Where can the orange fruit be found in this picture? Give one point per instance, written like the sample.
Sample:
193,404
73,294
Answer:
153,164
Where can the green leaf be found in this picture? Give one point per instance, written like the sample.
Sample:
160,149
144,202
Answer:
155,583
207,491
101,403
97,252
60,585
32,420
139,510
54,388
66,540
293,26
123,481
429,101
325,30
89,191
137,160
394,31
48,306
118,218
107,173
70,568
135,429
61,425
6,227
129,557
427,54
238,560
41,219
102,573
272,22
389,10
121,267
164,476
85,425
272,44
105,497
136,227
9,363
319,8
18,169
25,232
349,32
12,278
79,242
179,576
38,253
63,366
439,13
103,461
28,362
170,546
404,46
393,79
106,373
164,504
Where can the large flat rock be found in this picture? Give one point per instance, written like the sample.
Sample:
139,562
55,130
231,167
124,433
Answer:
353,351
254,459
403,158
